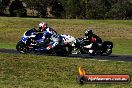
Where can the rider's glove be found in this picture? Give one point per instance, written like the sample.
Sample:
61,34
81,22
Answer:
49,47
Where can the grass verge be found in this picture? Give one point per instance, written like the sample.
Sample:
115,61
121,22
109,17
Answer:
31,71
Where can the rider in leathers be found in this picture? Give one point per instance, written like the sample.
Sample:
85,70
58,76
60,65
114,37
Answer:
49,33
93,39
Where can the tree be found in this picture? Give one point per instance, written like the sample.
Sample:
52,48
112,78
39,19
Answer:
121,10
96,9
91,9
3,5
56,8
72,8
39,5
17,9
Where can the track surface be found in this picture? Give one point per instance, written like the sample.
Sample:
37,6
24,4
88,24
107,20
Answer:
126,58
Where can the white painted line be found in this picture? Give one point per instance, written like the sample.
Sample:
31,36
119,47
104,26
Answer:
121,61
103,60
91,59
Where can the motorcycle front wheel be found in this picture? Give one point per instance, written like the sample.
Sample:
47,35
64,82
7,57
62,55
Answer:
22,48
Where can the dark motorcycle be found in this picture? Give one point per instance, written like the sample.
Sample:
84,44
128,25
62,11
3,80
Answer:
104,48
32,41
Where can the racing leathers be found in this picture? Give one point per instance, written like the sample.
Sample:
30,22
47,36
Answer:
53,35
94,40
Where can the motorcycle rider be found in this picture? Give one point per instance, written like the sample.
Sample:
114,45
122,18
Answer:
93,39
49,33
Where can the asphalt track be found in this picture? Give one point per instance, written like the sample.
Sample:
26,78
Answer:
126,58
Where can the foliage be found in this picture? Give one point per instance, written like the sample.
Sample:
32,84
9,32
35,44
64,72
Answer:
72,10
20,12
39,5
17,9
56,8
3,5
121,10
91,9
96,9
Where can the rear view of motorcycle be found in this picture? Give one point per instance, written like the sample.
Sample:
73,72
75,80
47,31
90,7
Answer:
104,48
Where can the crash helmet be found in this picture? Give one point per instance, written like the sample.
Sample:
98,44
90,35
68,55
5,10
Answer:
42,26
88,32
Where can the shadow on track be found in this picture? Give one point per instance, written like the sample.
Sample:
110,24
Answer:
126,58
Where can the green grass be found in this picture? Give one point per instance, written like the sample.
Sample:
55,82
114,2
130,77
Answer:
7,45
117,31
31,71
122,47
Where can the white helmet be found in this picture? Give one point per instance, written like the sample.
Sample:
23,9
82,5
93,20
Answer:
42,26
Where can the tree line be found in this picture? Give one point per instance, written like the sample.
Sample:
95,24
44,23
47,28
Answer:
82,9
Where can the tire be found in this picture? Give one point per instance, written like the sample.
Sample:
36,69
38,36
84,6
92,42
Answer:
22,48
84,51
63,50
93,53
107,52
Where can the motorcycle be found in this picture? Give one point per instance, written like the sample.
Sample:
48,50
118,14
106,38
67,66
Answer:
104,48
32,41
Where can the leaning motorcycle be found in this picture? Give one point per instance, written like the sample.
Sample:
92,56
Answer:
32,41
104,48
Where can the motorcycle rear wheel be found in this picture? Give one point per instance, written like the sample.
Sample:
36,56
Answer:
107,52
63,50
84,51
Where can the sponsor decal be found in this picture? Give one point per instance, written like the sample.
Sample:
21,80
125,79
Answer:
101,78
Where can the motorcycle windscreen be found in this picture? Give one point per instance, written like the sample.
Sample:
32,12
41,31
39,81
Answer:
39,36
29,32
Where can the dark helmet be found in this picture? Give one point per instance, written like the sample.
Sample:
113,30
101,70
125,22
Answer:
88,32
